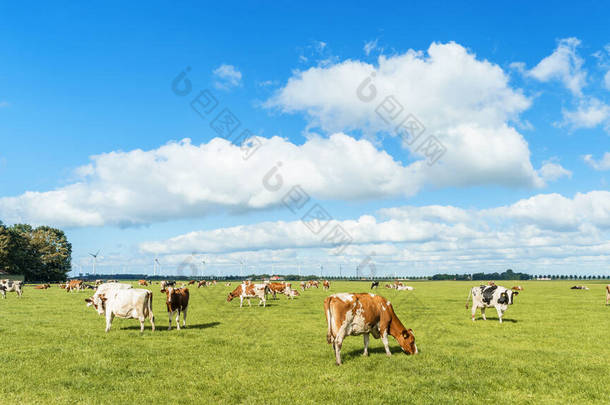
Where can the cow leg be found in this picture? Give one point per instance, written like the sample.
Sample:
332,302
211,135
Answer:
249,303
386,345
241,301
337,345
142,324
178,319
152,321
483,313
184,317
366,344
474,311
500,313
109,318
171,313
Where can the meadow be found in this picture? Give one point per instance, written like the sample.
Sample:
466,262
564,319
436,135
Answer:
552,348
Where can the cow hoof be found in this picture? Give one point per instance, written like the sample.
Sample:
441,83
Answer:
169,328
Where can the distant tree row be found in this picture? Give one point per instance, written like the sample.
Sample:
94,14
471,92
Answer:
40,254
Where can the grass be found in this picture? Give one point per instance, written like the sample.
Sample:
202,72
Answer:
552,348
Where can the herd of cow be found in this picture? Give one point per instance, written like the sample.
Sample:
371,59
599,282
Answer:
346,314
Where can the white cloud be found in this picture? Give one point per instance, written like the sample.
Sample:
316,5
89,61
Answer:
464,102
590,113
551,171
607,80
370,46
602,164
182,180
564,64
4,104
227,77
544,230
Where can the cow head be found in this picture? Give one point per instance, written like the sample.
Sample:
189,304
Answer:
169,291
98,302
512,296
406,340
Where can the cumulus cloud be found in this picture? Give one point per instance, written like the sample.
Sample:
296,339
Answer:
564,65
546,228
551,171
466,103
590,113
226,77
602,164
182,180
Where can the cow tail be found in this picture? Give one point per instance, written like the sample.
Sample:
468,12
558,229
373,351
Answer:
150,312
468,299
329,320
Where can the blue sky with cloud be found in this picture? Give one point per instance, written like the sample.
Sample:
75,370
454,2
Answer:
94,139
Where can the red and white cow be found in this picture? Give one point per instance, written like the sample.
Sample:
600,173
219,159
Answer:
177,301
249,291
75,285
360,314
326,285
129,303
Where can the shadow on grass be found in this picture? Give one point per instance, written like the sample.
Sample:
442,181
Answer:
372,351
489,318
163,327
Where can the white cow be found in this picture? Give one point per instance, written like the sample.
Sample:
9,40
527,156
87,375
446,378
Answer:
486,296
103,288
404,288
129,303
7,285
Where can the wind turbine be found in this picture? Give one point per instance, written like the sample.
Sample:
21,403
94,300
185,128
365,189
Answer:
241,269
155,267
95,260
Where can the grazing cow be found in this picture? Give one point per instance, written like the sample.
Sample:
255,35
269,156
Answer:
249,291
192,282
374,284
290,293
404,288
314,283
607,294
276,288
202,283
517,288
98,282
579,287
167,283
491,283
490,296
361,314
326,285
129,303
75,285
142,282
7,285
177,300
42,286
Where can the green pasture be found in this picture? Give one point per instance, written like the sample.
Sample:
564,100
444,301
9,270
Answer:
554,347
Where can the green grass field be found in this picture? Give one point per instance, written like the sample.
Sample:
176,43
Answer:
552,348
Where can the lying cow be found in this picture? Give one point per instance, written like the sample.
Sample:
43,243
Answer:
361,314
142,282
177,301
128,303
579,287
290,293
7,285
490,296
228,285
517,288
404,288
249,291
42,286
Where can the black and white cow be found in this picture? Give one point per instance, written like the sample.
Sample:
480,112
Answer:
374,284
7,285
486,296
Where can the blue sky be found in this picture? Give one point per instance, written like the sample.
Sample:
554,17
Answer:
80,81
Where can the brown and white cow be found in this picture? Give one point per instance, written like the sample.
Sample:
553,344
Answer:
326,285
75,285
98,282
228,284
276,288
191,282
129,303
177,301
249,291
607,294
303,286
290,293
202,283
42,286
142,282
517,288
360,314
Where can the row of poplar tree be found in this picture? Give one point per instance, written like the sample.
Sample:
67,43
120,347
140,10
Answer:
39,254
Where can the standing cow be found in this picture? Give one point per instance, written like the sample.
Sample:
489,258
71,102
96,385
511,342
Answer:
129,303
177,301
326,285
607,294
249,291
361,314
7,285
490,296
374,284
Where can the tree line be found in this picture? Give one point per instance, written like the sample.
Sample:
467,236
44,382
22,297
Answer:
39,254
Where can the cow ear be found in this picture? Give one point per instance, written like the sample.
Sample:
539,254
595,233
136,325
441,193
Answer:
87,299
